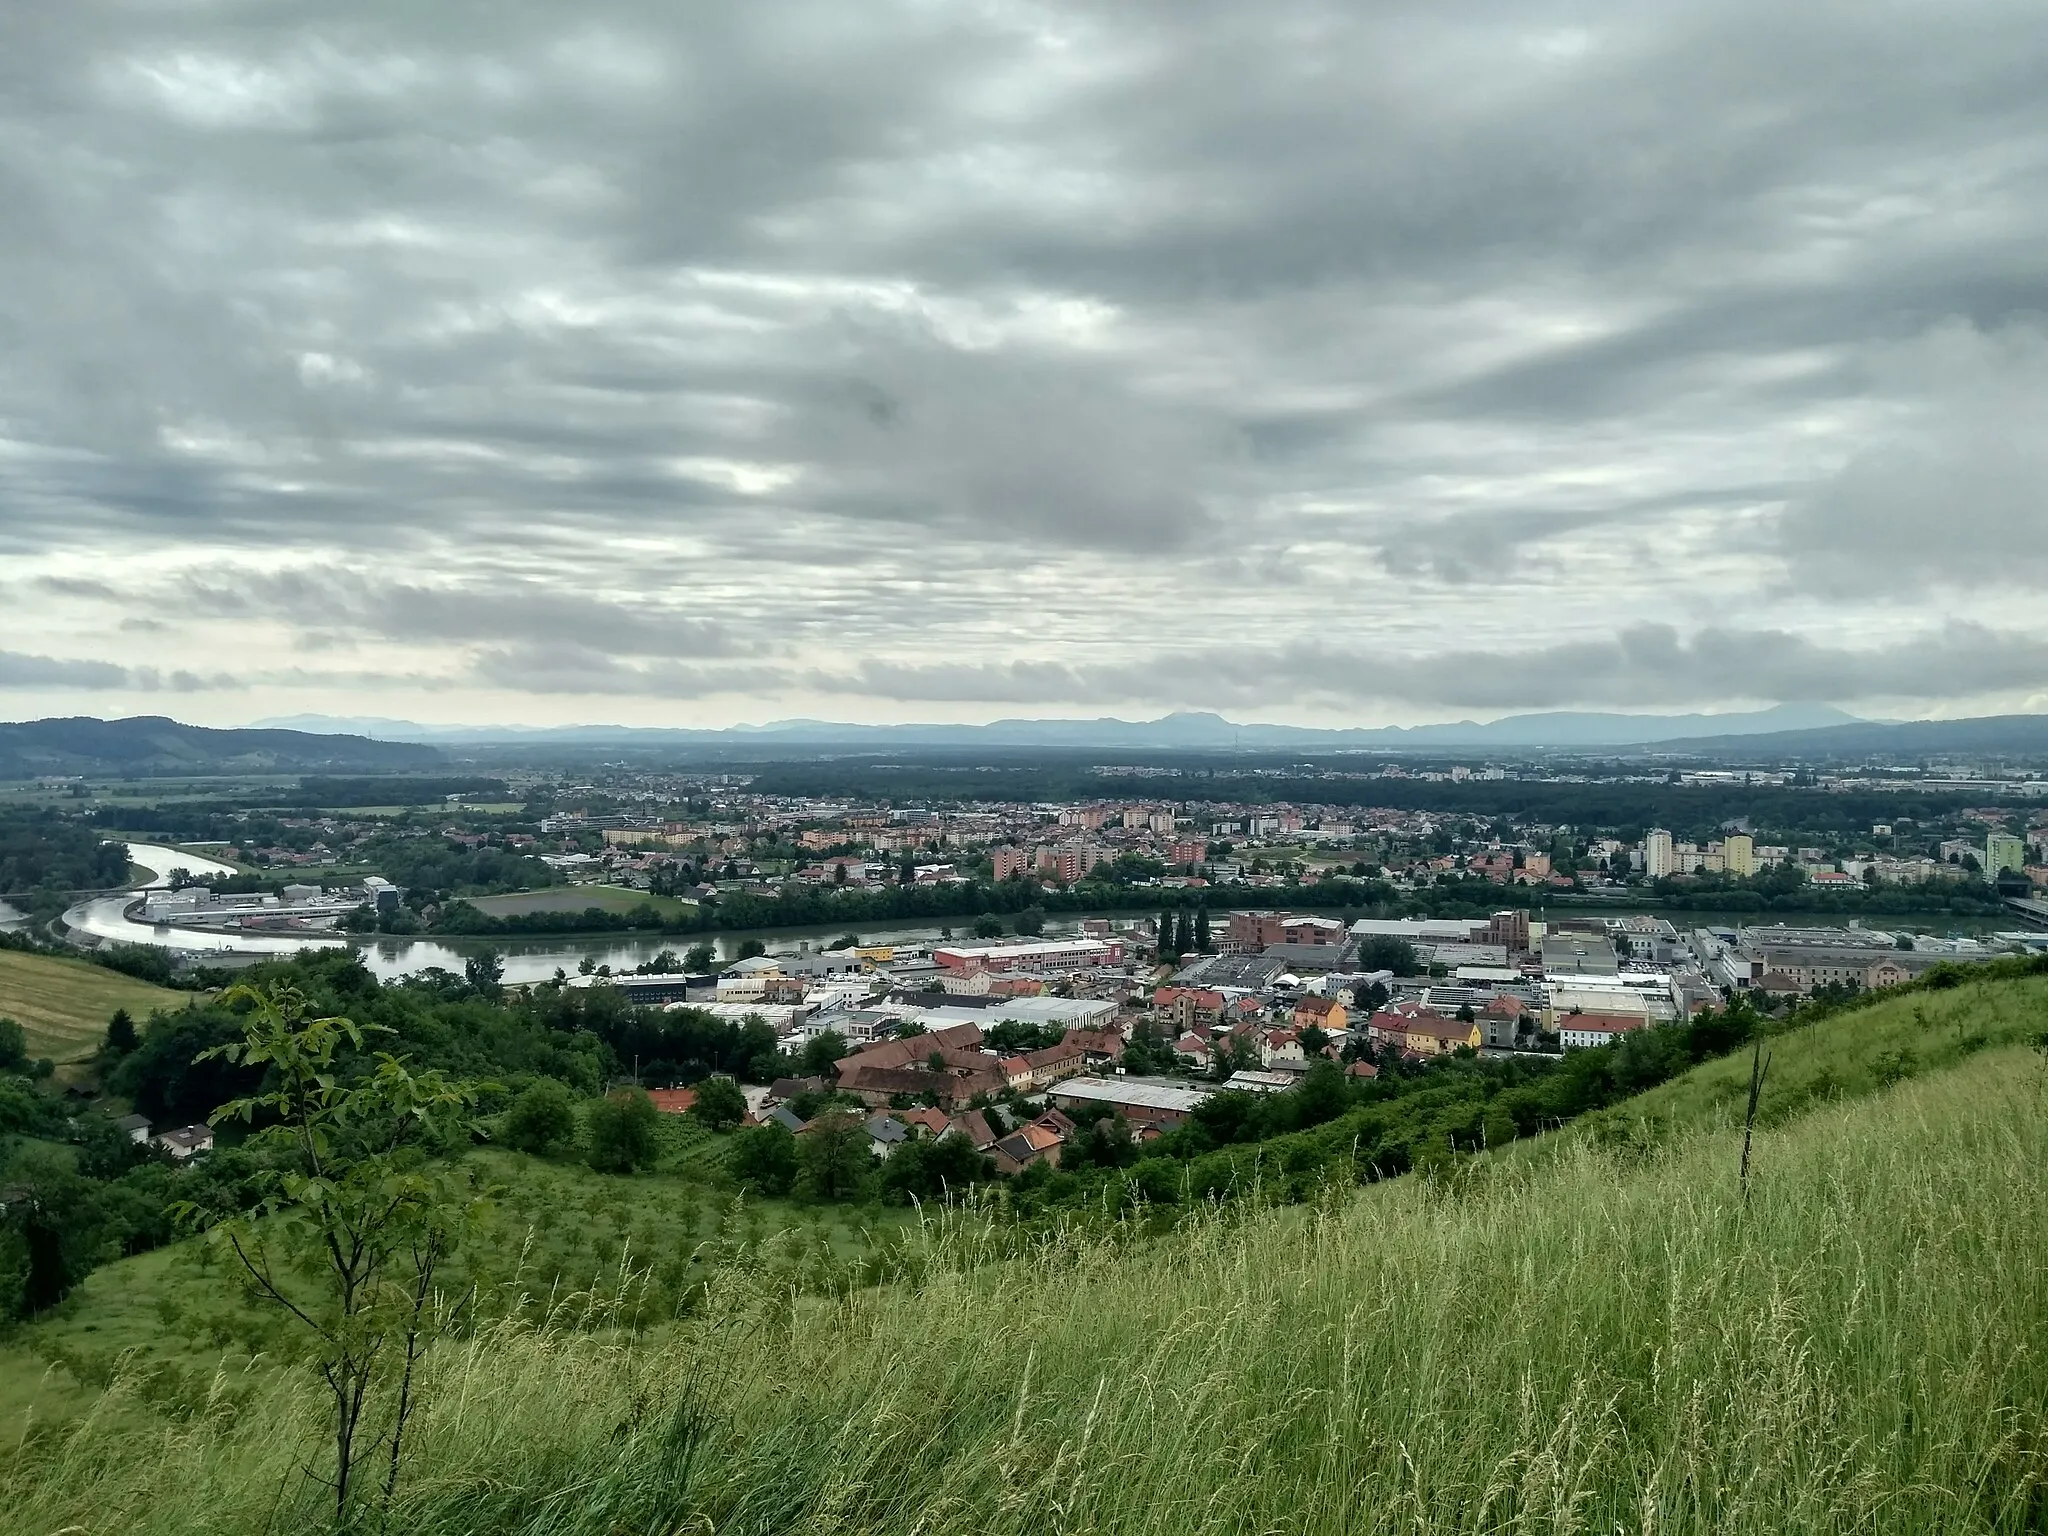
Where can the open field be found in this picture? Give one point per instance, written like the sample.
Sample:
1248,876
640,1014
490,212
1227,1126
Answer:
578,898
64,1005
1595,1340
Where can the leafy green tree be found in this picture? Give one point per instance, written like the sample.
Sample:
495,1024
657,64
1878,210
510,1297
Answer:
121,1036
1202,940
53,1233
988,926
763,1158
750,948
175,1076
1168,952
1104,1143
833,1161
699,959
1323,1094
1387,952
719,1103
1030,922
13,1047
932,1170
541,1119
622,1131
820,1052
485,973
351,1226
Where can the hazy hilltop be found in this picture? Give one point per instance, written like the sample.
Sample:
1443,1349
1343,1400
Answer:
151,744
1185,731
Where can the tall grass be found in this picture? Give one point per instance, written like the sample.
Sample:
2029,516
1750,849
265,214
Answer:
1601,1338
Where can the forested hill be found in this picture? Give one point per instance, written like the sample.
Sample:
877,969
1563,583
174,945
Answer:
151,744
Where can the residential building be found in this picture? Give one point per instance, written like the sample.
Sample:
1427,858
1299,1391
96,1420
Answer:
1185,1008
1008,860
1658,859
885,1134
1738,854
2002,852
1281,1046
1325,1013
186,1141
1037,1069
1577,1030
1028,1144
1432,1035
1188,850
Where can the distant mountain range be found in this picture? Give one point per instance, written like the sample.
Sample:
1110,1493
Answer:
1176,732
150,744
1903,740
319,744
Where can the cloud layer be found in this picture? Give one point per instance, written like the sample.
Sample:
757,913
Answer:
1311,360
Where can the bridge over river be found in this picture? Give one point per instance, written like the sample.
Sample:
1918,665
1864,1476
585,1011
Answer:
2033,911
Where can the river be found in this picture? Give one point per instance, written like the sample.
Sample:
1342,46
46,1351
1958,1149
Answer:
535,959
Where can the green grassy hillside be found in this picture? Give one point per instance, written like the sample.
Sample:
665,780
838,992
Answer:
1571,1336
557,1229
63,1005
1865,1048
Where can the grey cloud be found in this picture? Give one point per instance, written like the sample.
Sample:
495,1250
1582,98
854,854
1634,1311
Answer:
20,670
1957,493
765,341
579,670
1643,665
77,586
516,609
1007,447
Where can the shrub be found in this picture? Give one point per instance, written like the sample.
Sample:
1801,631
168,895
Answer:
540,1119
622,1132
719,1103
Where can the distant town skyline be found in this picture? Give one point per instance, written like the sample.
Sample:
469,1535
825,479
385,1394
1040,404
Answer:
1310,363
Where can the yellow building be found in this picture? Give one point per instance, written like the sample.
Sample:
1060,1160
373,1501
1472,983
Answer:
1738,855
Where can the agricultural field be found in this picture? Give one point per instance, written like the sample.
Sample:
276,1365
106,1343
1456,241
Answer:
578,898
63,1005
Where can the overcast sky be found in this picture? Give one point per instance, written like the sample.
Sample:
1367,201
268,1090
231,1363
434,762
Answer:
1319,362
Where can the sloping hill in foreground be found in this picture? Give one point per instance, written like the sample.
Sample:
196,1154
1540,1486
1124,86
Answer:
1598,1333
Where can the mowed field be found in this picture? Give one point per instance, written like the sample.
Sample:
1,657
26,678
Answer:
578,898
63,1005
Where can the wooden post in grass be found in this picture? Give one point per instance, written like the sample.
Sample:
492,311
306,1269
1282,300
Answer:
1759,1067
